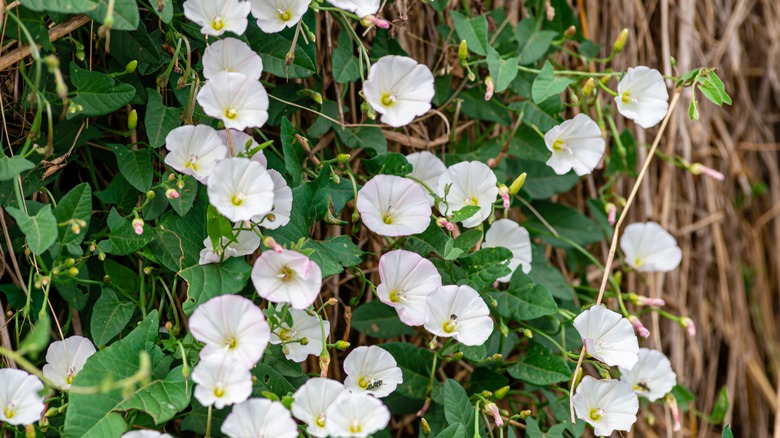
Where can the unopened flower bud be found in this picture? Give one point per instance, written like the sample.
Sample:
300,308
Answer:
501,392
289,58
324,363
370,20
517,184
269,242
444,223
341,345
463,51
570,31
549,10
102,256
29,431
150,194
640,300
503,190
528,333
699,169
434,344
496,357
131,66
171,194
70,262
132,120
590,84
639,327
471,76
138,226
74,271
148,270
688,325
671,402
493,410
75,228
525,414
171,177
455,357
304,341
620,41
332,301
611,213
426,428
490,88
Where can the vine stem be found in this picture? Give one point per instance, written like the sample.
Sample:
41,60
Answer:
616,233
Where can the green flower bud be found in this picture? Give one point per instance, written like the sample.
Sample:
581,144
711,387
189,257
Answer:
132,120
463,51
501,392
131,66
620,42
590,84
517,184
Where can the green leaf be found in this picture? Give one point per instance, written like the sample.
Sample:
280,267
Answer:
525,300
502,70
458,407
485,266
540,368
38,338
346,66
92,415
135,165
415,363
566,221
293,153
542,182
12,166
62,6
710,92
547,85
473,30
468,239
365,136
311,202
721,406
96,93
464,213
727,433
433,239
542,272
159,119
273,49
693,109
166,14
334,254
109,317
533,44
218,226
122,240
161,398
187,195
40,230
212,280
126,16
379,320
451,252
179,239
270,380
391,163
715,80
76,204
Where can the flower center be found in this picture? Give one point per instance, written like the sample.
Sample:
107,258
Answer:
284,15
69,379
388,99
450,325
231,343
626,97
286,335
388,218
396,296
355,427
320,420
638,262
237,199
286,274
217,23
219,391
472,200
231,113
192,164
9,411
364,382
596,414
559,145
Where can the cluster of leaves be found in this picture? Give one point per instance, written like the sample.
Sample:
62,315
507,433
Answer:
90,162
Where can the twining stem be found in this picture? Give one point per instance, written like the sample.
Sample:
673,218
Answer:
208,423
616,233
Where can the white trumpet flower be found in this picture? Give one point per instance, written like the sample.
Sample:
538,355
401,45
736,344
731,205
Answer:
356,415
66,358
652,377
231,55
459,312
287,277
241,189
642,96
276,15
247,242
575,144
608,336
242,145
361,8
607,405
216,17
279,216
393,206
510,235
471,183
235,98
427,168
647,247
372,370
194,150
312,400
406,280
20,397
399,89
259,417
221,381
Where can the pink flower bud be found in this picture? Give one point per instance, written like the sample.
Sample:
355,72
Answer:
491,86
271,243
503,190
611,213
444,223
699,169
138,226
646,301
171,194
639,327
689,326
493,409
671,402
369,20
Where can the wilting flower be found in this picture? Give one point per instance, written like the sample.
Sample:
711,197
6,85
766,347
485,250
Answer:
361,8
471,184
145,433
642,96
427,168
260,417
459,312
274,15
575,144
510,235
608,336
652,377
231,55
607,405
243,143
301,339
241,189
647,247
247,242
393,206
356,415
233,327
221,381
406,280
399,88
194,150
279,216
372,370
66,358
238,100
20,399
216,17
287,277
312,400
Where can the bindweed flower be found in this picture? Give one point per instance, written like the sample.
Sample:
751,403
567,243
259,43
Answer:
406,280
287,277
259,417
145,433
361,8
575,144
172,194
237,100
301,339
427,168
647,247
399,88
216,17
652,377
138,226
20,399
247,242
393,206
312,400
459,312
241,189
471,184
510,235
242,144
608,336
66,358
279,216
642,96
194,150
607,405
372,370
220,381
232,327
276,15
231,55
356,415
